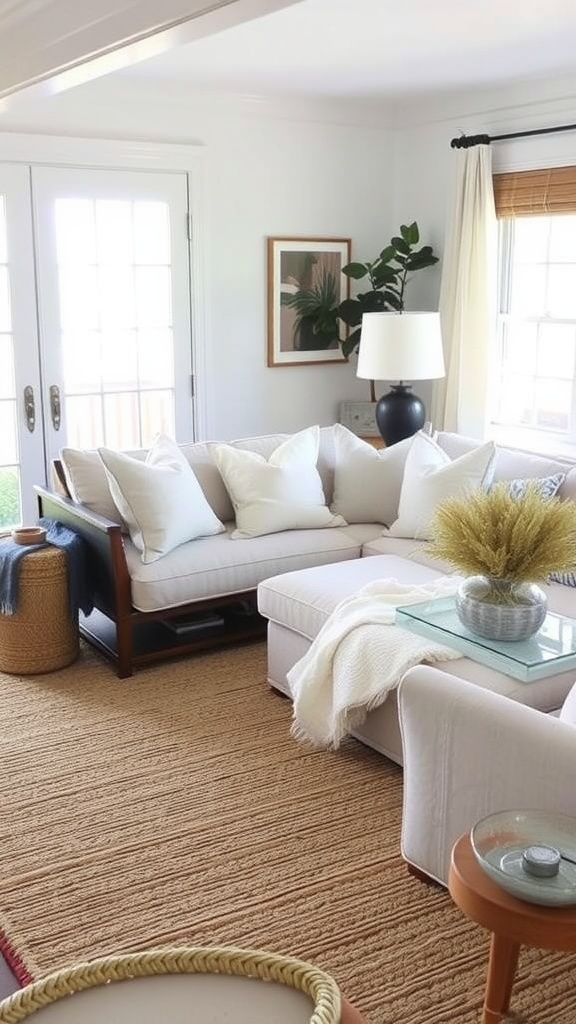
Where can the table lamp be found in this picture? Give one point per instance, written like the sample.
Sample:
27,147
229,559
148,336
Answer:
400,346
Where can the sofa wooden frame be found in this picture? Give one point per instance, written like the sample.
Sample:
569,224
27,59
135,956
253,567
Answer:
128,637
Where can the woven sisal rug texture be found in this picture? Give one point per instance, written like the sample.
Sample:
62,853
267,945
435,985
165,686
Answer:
175,807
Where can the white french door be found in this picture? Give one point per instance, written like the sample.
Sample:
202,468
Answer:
21,448
95,327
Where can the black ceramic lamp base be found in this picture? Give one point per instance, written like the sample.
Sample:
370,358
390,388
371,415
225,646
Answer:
399,414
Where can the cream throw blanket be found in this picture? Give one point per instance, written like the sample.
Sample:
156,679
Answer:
353,663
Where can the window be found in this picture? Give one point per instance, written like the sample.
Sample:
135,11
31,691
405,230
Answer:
533,382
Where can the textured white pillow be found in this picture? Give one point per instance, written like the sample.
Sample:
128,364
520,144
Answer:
160,499
430,477
568,709
367,482
87,481
283,492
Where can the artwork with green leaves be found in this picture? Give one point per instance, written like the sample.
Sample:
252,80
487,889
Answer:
306,286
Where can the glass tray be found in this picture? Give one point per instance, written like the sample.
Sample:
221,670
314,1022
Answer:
550,651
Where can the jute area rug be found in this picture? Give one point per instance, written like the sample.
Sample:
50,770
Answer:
174,807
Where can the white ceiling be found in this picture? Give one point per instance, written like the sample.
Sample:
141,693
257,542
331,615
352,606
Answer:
57,44
376,49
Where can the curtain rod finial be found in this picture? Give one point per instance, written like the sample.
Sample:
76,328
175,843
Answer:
466,141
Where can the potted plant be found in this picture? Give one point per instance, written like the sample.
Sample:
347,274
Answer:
388,275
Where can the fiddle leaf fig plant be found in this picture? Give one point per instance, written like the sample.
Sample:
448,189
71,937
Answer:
319,315
388,276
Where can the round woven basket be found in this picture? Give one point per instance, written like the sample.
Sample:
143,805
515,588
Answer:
321,989
40,636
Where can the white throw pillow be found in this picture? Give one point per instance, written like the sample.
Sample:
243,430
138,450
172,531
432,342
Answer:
283,492
430,477
160,499
87,481
367,482
568,709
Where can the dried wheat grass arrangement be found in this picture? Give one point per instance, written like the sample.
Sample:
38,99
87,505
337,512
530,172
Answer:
492,533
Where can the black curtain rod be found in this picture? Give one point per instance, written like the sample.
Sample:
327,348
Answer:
466,141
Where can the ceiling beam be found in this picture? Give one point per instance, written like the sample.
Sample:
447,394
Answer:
51,45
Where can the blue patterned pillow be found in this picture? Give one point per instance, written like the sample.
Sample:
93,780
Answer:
567,578
548,486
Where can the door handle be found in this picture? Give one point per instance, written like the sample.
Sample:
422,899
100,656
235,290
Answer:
29,408
55,410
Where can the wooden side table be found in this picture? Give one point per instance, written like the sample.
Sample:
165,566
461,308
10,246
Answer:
512,922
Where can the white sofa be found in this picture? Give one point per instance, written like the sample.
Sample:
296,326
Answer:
134,599
297,604
468,753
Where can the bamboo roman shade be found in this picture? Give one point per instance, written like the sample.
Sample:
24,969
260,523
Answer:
529,193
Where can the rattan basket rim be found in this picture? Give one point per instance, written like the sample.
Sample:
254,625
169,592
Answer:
232,960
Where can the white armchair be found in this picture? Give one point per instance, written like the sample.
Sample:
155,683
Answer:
469,752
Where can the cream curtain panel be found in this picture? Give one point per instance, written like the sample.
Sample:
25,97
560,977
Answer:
468,297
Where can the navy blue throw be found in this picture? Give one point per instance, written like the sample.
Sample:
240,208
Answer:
11,555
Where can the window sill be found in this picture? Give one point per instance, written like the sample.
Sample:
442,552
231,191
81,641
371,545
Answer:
536,441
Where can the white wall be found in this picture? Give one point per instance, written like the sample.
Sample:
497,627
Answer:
302,170
263,175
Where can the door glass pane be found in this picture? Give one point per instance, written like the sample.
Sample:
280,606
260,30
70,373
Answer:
115,282
3,238
153,304
7,385
78,297
115,232
122,420
152,232
10,514
5,316
10,497
84,421
157,414
8,431
116,297
82,361
156,358
119,360
76,238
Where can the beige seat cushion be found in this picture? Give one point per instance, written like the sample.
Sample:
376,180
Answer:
218,566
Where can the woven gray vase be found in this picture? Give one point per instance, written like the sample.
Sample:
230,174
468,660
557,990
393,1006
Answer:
500,609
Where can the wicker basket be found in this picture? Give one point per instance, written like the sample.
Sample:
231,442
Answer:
40,636
248,1003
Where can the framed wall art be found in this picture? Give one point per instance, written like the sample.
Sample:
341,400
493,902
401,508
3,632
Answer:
305,287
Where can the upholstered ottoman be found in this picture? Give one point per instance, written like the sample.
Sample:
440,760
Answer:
297,604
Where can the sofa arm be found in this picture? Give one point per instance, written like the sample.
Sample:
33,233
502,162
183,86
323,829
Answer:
469,752
106,559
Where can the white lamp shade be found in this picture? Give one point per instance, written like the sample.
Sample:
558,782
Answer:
400,346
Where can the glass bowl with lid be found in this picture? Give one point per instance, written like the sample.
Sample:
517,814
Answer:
530,854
